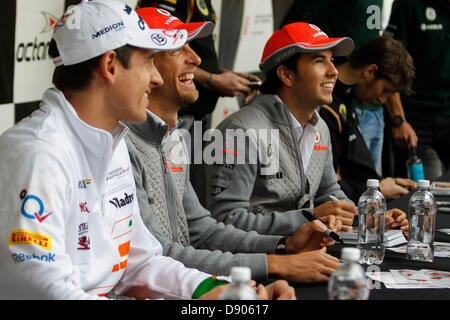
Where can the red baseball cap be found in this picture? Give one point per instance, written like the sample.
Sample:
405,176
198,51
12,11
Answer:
300,37
160,18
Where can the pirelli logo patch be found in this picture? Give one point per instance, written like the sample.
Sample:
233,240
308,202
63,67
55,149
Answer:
27,237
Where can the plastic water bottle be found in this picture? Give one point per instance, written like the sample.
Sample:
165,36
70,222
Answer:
240,289
414,166
422,217
371,210
349,282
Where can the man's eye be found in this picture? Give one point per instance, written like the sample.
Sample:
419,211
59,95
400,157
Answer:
174,53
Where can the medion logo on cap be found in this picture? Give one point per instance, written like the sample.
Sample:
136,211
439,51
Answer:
106,25
115,26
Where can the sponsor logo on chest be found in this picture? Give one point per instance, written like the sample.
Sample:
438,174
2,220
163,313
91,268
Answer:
121,202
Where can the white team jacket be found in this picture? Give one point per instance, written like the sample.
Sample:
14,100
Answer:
70,226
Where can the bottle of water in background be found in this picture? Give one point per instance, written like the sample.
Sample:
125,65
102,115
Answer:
371,210
422,217
414,166
349,282
240,289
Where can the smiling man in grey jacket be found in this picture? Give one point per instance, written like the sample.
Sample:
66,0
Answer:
298,63
170,207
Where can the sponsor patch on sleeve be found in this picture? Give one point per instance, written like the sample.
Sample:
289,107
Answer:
17,237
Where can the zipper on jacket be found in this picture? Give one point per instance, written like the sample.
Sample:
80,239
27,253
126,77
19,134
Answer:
103,201
299,159
165,162
168,192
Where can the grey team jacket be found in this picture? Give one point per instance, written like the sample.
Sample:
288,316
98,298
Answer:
172,212
240,194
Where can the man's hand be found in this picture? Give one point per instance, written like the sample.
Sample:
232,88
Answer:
406,183
254,92
278,290
229,84
405,136
391,190
396,219
343,210
312,236
304,267
215,293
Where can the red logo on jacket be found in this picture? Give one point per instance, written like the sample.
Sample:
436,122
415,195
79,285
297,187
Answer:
317,147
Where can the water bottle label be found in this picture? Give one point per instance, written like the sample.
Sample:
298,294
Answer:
416,172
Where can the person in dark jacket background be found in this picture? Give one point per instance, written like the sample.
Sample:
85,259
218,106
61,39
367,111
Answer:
377,69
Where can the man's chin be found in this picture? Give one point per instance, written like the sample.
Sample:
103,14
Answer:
137,118
326,101
187,100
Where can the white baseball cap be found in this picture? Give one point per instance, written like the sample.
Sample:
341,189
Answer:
91,28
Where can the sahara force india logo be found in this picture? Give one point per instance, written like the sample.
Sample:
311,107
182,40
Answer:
33,207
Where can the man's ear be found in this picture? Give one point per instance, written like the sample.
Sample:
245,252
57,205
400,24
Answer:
108,66
370,71
285,75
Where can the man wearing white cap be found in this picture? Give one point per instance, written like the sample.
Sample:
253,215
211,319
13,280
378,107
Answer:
169,206
298,63
70,226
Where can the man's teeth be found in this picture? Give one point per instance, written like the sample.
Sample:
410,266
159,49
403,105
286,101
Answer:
327,85
186,77
146,95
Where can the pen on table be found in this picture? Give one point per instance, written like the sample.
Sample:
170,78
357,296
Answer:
388,224
332,198
329,232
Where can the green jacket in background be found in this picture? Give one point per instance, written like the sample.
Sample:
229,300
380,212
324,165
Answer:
423,27
337,18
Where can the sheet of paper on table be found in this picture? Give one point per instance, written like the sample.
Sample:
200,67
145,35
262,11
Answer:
441,249
391,237
440,188
412,279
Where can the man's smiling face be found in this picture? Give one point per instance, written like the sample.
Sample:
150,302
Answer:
177,70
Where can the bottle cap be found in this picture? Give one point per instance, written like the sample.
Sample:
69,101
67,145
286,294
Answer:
240,274
423,183
373,183
350,254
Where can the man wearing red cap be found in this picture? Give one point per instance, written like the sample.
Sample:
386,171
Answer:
298,63
169,206
213,80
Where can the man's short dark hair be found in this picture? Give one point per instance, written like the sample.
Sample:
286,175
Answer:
394,62
79,76
273,83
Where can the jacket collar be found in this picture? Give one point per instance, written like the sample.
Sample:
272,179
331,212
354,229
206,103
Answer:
99,144
96,140
154,129
277,111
